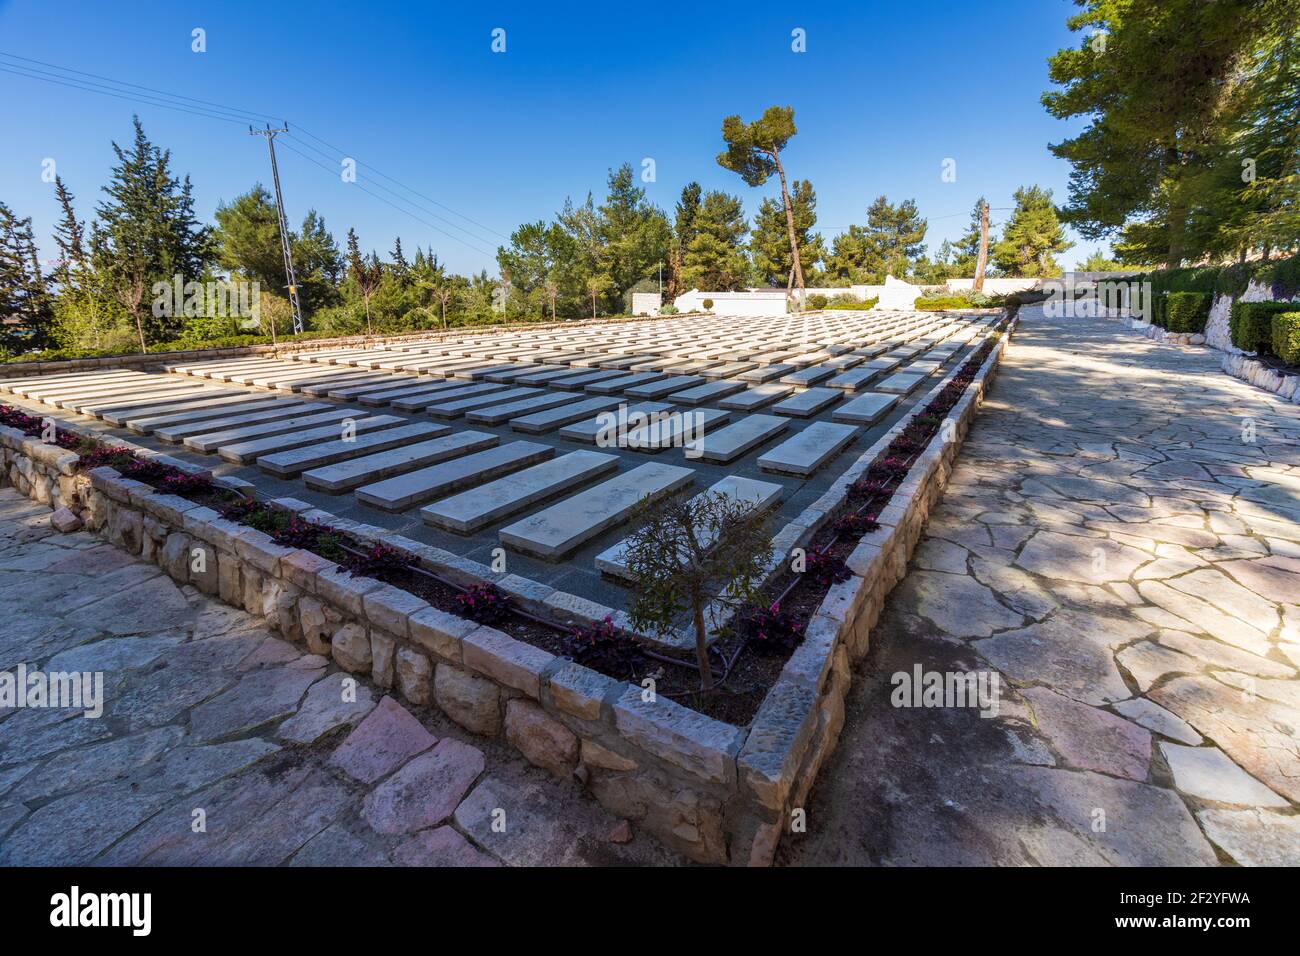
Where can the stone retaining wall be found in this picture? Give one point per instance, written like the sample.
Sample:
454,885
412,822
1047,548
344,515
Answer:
715,792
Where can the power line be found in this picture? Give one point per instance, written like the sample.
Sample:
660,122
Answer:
209,109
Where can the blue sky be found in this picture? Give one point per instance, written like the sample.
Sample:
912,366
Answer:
884,94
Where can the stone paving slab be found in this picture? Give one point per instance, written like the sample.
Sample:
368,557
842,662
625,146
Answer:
417,487
757,494
292,462
1101,555
346,475
494,501
558,530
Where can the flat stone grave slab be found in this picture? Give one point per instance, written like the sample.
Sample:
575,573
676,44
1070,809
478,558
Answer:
481,371
553,532
176,393
459,406
708,392
758,494
272,413
423,386
804,453
40,388
670,429
854,378
127,391
927,366
572,381
756,396
809,402
512,374
343,383
208,442
871,351
249,402
203,398
901,383
662,387
546,376
246,451
346,475
809,376
540,422
865,409
766,373
842,362
727,369
622,361
361,386
470,510
729,443
287,464
496,414
414,403
613,386
417,487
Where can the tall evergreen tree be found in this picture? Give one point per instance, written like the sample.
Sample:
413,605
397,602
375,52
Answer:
1032,237
688,207
149,233
26,308
69,235
891,243
769,243
715,259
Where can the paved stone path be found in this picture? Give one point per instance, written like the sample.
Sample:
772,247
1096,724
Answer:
222,744
1120,543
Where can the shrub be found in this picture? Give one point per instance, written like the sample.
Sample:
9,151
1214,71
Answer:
771,630
1286,337
604,648
708,305
668,310
376,561
817,301
1251,324
848,302
484,603
1186,311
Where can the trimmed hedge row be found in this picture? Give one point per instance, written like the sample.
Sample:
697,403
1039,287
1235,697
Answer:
1186,311
1286,337
1250,324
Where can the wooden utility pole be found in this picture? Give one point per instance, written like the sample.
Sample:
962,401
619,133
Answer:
982,262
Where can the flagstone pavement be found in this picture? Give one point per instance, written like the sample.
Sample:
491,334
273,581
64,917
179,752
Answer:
221,744
1120,543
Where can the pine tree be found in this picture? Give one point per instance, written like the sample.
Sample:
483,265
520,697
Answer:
69,235
26,308
769,243
688,207
890,244
149,233
715,258
1032,237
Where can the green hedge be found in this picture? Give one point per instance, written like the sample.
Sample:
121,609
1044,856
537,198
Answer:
1187,311
1250,324
854,305
943,303
1286,336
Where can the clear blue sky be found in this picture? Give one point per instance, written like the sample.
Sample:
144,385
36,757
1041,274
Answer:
884,93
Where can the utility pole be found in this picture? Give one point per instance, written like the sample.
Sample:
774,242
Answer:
982,262
284,227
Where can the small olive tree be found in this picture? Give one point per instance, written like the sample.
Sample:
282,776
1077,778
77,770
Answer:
683,552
